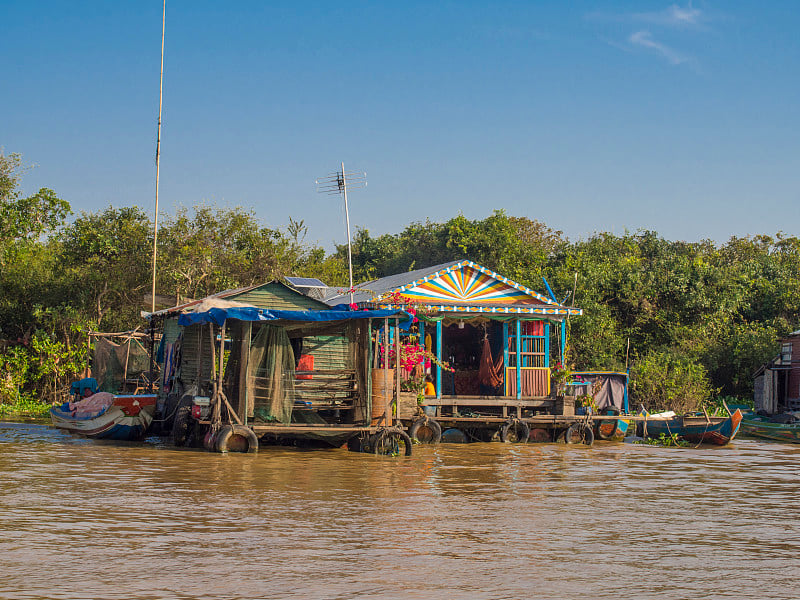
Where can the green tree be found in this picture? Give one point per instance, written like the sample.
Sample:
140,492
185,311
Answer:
105,263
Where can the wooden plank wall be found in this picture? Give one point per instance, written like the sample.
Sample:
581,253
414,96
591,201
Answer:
278,296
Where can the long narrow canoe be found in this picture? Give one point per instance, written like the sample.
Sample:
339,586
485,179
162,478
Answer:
126,418
762,427
697,428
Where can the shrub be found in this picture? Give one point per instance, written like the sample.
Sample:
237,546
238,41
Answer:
667,381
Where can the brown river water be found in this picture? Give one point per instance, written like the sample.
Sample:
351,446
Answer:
87,519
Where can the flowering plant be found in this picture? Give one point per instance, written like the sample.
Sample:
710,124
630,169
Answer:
559,376
412,307
414,360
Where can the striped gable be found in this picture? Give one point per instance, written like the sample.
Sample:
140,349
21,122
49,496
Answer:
468,282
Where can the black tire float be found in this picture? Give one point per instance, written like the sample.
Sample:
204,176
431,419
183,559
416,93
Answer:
515,432
236,438
388,441
426,431
579,433
182,424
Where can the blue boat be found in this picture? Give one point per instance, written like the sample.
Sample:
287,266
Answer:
107,416
699,429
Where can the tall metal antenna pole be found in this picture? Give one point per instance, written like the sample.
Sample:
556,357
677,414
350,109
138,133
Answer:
158,151
349,244
338,183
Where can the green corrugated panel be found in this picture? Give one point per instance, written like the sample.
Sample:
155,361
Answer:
280,297
190,355
171,330
329,351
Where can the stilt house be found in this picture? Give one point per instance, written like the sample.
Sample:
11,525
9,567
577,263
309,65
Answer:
777,383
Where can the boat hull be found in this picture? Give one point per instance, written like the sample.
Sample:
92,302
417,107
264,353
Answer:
612,431
127,418
698,430
779,432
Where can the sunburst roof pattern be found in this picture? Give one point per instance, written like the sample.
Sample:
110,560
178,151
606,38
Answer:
466,281
466,284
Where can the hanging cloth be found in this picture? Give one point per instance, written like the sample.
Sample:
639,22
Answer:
490,372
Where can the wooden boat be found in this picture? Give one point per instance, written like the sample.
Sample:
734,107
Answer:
613,430
119,417
695,428
763,427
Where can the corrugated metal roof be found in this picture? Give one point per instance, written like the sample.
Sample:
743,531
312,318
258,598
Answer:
365,292
180,308
187,305
368,291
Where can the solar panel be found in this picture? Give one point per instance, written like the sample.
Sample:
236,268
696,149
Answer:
305,282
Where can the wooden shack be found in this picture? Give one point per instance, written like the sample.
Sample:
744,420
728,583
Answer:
776,386
290,369
195,366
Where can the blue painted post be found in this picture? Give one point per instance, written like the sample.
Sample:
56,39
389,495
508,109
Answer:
439,357
547,344
422,333
563,341
519,359
505,357
625,396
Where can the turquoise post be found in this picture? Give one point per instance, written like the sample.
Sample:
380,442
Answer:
439,357
563,340
547,344
505,356
519,358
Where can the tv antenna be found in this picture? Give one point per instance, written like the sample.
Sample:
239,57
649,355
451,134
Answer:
158,151
338,183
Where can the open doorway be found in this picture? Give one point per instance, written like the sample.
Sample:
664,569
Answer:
478,365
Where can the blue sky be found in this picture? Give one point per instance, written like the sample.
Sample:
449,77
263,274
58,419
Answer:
590,116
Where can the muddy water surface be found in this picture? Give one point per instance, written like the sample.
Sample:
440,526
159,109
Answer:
85,519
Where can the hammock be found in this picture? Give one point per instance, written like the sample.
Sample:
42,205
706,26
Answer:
491,372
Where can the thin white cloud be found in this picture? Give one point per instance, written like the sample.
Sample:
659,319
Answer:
674,16
645,40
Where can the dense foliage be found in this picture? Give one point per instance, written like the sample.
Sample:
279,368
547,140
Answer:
691,319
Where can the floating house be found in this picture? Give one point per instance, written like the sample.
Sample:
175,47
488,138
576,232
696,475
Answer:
777,383
299,361
500,338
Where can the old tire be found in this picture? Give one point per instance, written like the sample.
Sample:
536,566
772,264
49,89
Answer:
236,438
579,434
389,442
515,432
426,430
182,425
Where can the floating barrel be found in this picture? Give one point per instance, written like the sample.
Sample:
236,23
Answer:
540,435
453,436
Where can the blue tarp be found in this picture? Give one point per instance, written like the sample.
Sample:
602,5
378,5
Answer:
218,316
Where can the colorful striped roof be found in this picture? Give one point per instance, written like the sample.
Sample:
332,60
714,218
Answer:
460,286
